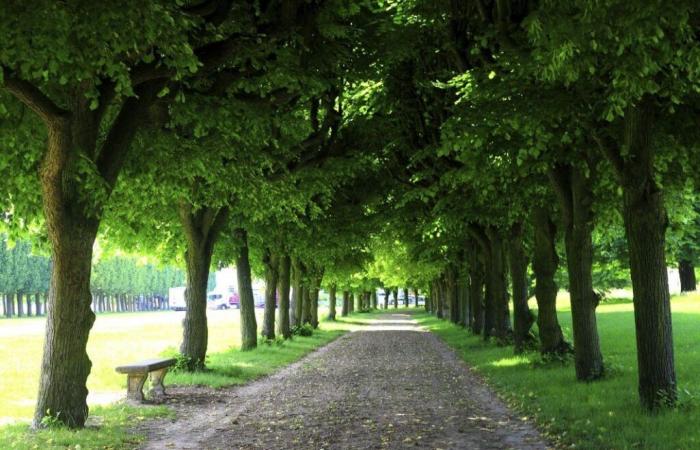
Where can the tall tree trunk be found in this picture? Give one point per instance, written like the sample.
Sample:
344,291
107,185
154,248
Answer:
476,291
373,298
331,302
490,274
283,327
346,304
20,304
415,294
499,286
440,297
295,304
576,199
65,363
405,297
351,302
313,298
387,293
523,317
396,297
451,294
544,263
201,228
686,272
466,310
37,304
28,302
306,304
430,300
645,225
271,263
249,325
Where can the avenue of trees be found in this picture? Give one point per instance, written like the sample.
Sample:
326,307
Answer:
476,152
119,283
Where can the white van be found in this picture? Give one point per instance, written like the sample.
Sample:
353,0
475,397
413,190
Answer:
176,299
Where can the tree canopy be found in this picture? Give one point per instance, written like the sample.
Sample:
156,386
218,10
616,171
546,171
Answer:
479,152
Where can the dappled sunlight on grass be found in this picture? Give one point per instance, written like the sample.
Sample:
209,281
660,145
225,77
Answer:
107,427
510,362
119,338
603,414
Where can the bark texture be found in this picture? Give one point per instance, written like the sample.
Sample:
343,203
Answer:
499,286
271,263
313,298
576,199
523,317
686,272
645,225
331,301
476,292
65,365
544,264
202,228
440,298
295,304
346,304
452,294
249,325
305,305
283,284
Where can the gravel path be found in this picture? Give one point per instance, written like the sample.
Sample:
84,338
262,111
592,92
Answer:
389,386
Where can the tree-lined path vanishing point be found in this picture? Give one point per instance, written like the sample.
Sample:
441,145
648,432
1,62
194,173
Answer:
391,385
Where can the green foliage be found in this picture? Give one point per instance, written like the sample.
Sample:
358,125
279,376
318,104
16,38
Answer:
305,330
122,274
21,270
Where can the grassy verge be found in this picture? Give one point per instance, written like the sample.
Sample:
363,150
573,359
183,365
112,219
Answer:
600,415
109,426
233,366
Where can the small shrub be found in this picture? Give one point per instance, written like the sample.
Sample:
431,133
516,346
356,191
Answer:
278,341
182,363
685,400
51,421
303,330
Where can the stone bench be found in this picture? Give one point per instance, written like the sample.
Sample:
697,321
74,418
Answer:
138,372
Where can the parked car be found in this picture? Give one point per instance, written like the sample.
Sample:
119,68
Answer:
176,299
234,301
217,301
259,299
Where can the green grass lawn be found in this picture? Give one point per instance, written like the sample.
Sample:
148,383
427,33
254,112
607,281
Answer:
120,338
115,339
600,415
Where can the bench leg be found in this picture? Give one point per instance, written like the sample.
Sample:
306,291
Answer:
135,384
157,388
